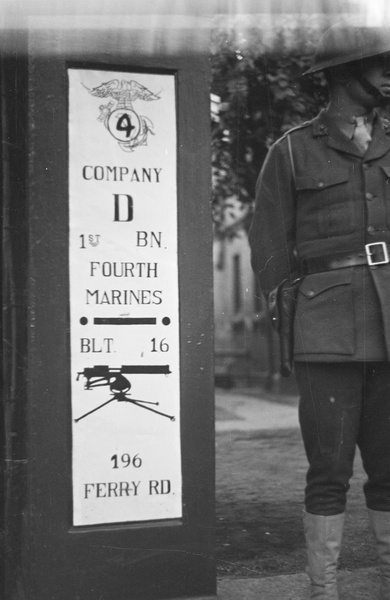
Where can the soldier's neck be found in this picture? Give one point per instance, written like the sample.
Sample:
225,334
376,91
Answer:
342,106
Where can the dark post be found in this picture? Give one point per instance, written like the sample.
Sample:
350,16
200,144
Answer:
107,435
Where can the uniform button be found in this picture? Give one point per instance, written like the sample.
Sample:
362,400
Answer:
366,166
321,184
310,293
371,230
369,196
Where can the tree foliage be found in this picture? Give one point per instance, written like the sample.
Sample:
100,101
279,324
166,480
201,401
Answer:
263,94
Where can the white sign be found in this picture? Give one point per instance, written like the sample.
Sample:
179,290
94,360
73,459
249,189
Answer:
124,297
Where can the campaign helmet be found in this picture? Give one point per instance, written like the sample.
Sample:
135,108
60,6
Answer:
345,43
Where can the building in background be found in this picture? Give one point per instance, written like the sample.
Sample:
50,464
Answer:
245,346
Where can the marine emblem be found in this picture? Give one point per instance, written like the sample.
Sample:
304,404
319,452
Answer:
125,125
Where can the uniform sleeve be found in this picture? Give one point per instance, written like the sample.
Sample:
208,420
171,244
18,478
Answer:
272,232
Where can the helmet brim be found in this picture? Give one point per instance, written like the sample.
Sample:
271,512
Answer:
343,44
328,64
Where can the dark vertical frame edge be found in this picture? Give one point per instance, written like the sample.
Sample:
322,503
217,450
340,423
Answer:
52,550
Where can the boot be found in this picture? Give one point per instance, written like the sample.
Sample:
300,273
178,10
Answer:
323,540
380,525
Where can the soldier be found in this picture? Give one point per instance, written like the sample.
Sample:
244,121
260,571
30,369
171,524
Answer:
320,242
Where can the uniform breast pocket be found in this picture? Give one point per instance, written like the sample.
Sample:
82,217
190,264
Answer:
324,319
325,203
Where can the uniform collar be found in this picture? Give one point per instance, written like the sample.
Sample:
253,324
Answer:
347,125
324,125
327,122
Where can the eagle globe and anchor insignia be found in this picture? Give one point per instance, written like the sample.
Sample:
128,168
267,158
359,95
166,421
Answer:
125,125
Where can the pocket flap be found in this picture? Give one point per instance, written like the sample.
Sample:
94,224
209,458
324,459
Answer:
386,170
315,284
323,179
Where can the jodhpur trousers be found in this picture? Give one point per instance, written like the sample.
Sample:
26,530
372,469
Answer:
344,405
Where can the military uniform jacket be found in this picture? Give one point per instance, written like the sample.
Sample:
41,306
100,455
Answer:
319,199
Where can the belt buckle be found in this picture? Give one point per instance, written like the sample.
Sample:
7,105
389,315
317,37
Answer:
370,252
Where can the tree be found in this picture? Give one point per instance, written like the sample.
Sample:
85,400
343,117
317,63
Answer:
262,95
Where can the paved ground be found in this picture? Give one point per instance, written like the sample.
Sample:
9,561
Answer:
249,412
243,411
353,585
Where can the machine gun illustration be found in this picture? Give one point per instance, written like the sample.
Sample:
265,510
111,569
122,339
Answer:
103,375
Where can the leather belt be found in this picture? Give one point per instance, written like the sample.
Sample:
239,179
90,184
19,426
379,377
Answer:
374,254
